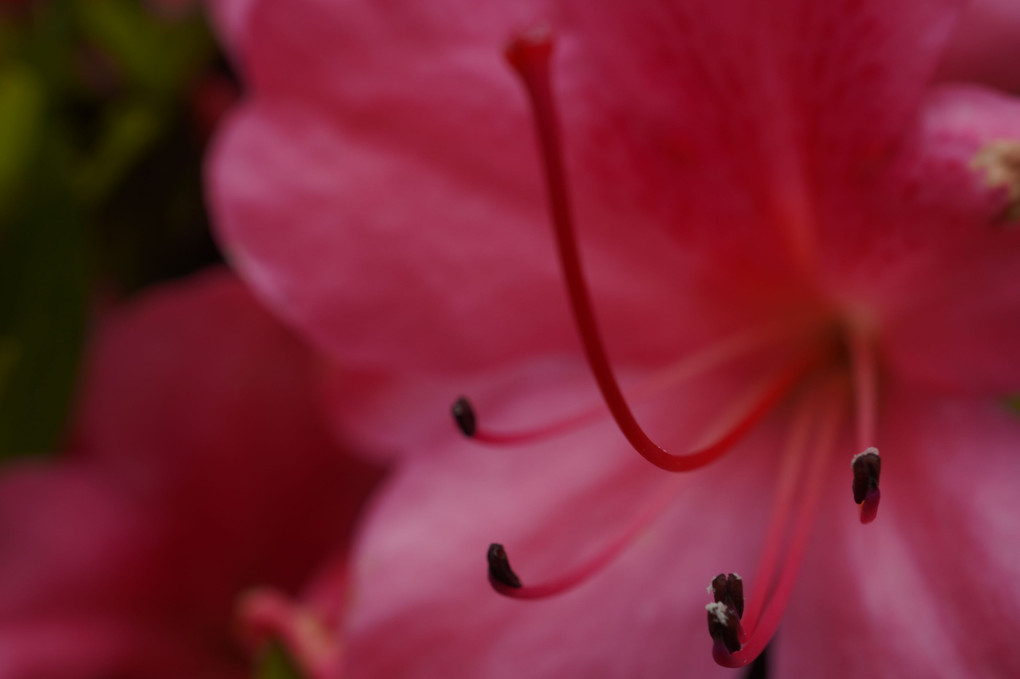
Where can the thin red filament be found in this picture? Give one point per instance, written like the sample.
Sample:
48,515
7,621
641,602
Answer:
597,563
865,373
788,492
762,621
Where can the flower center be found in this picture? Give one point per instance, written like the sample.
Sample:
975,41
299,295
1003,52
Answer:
827,362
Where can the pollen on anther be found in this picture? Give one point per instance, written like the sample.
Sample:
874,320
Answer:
724,626
464,416
728,589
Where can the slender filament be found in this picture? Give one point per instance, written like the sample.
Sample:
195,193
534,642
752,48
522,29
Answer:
661,501
828,416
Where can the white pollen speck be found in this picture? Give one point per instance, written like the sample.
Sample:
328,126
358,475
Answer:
719,611
869,451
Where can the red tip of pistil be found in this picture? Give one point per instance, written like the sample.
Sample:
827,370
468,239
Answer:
529,47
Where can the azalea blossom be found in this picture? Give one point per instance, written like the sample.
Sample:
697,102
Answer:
790,261
201,489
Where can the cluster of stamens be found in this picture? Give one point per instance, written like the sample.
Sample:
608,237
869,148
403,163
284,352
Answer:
818,377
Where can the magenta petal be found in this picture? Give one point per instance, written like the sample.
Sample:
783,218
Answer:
927,589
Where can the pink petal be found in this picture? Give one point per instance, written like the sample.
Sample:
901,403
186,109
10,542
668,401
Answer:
985,46
399,196
926,590
920,245
422,606
206,407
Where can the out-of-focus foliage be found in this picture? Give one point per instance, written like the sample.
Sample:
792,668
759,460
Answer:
100,191
275,664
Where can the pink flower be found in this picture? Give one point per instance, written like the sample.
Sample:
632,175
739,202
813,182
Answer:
200,469
774,197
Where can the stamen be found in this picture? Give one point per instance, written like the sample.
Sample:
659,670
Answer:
867,468
757,633
529,53
730,348
505,581
467,422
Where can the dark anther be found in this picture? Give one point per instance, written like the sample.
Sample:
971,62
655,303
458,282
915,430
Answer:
464,416
499,567
728,589
867,467
724,626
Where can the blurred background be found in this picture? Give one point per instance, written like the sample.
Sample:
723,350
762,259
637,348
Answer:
105,111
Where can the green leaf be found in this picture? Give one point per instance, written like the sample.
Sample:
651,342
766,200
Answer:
154,53
21,106
130,130
275,663
42,313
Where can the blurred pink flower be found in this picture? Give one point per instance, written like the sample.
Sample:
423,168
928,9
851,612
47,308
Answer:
754,187
200,469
